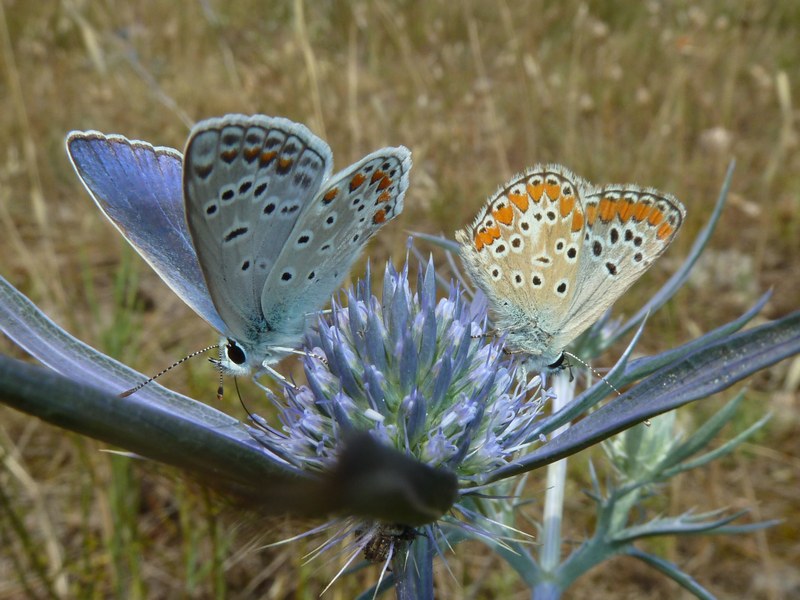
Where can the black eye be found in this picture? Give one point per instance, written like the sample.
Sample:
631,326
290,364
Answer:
558,364
235,353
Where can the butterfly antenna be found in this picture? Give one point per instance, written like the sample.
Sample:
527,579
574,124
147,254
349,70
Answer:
127,393
607,382
597,374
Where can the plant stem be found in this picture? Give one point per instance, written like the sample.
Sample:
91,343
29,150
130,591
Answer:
550,553
413,571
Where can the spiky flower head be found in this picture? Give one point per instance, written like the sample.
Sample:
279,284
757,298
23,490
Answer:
417,373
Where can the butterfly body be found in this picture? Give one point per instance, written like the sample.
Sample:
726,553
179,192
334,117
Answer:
248,226
552,252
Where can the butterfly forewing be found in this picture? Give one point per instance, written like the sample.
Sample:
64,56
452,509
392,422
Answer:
329,236
525,245
138,187
247,181
627,228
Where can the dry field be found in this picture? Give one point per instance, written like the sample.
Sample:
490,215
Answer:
658,93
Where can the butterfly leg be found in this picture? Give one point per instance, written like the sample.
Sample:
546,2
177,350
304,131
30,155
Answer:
320,358
276,376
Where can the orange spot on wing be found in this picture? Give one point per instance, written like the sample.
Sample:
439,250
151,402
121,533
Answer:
607,209
379,217
356,181
384,197
385,180
553,190
284,164
664,231
625,210
566,205
267,157
330,195
519,200
229,155
656,216
591,213
641,210
577,221
250,154
504,215
485,238
535,191
385,183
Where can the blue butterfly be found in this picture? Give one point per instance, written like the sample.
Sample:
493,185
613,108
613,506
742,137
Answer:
249,228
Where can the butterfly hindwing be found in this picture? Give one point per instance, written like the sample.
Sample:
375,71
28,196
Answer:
627,229
329,236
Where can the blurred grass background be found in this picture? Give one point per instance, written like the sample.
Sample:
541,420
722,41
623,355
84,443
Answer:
657,93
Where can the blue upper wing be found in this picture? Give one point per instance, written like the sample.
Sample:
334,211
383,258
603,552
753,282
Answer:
138,187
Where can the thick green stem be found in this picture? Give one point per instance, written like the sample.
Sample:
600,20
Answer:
413,570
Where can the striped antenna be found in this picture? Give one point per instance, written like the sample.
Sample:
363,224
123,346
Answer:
127,393
607,382
597,374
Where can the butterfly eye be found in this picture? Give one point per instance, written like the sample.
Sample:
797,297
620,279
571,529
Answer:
235,353
558,364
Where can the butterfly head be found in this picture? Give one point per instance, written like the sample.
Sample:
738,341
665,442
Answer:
233,358
540,355
240,359
550,365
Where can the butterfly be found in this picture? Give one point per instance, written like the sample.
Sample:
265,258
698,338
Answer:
552,252
248,226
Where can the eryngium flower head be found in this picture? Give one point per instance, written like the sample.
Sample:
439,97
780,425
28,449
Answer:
417,373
